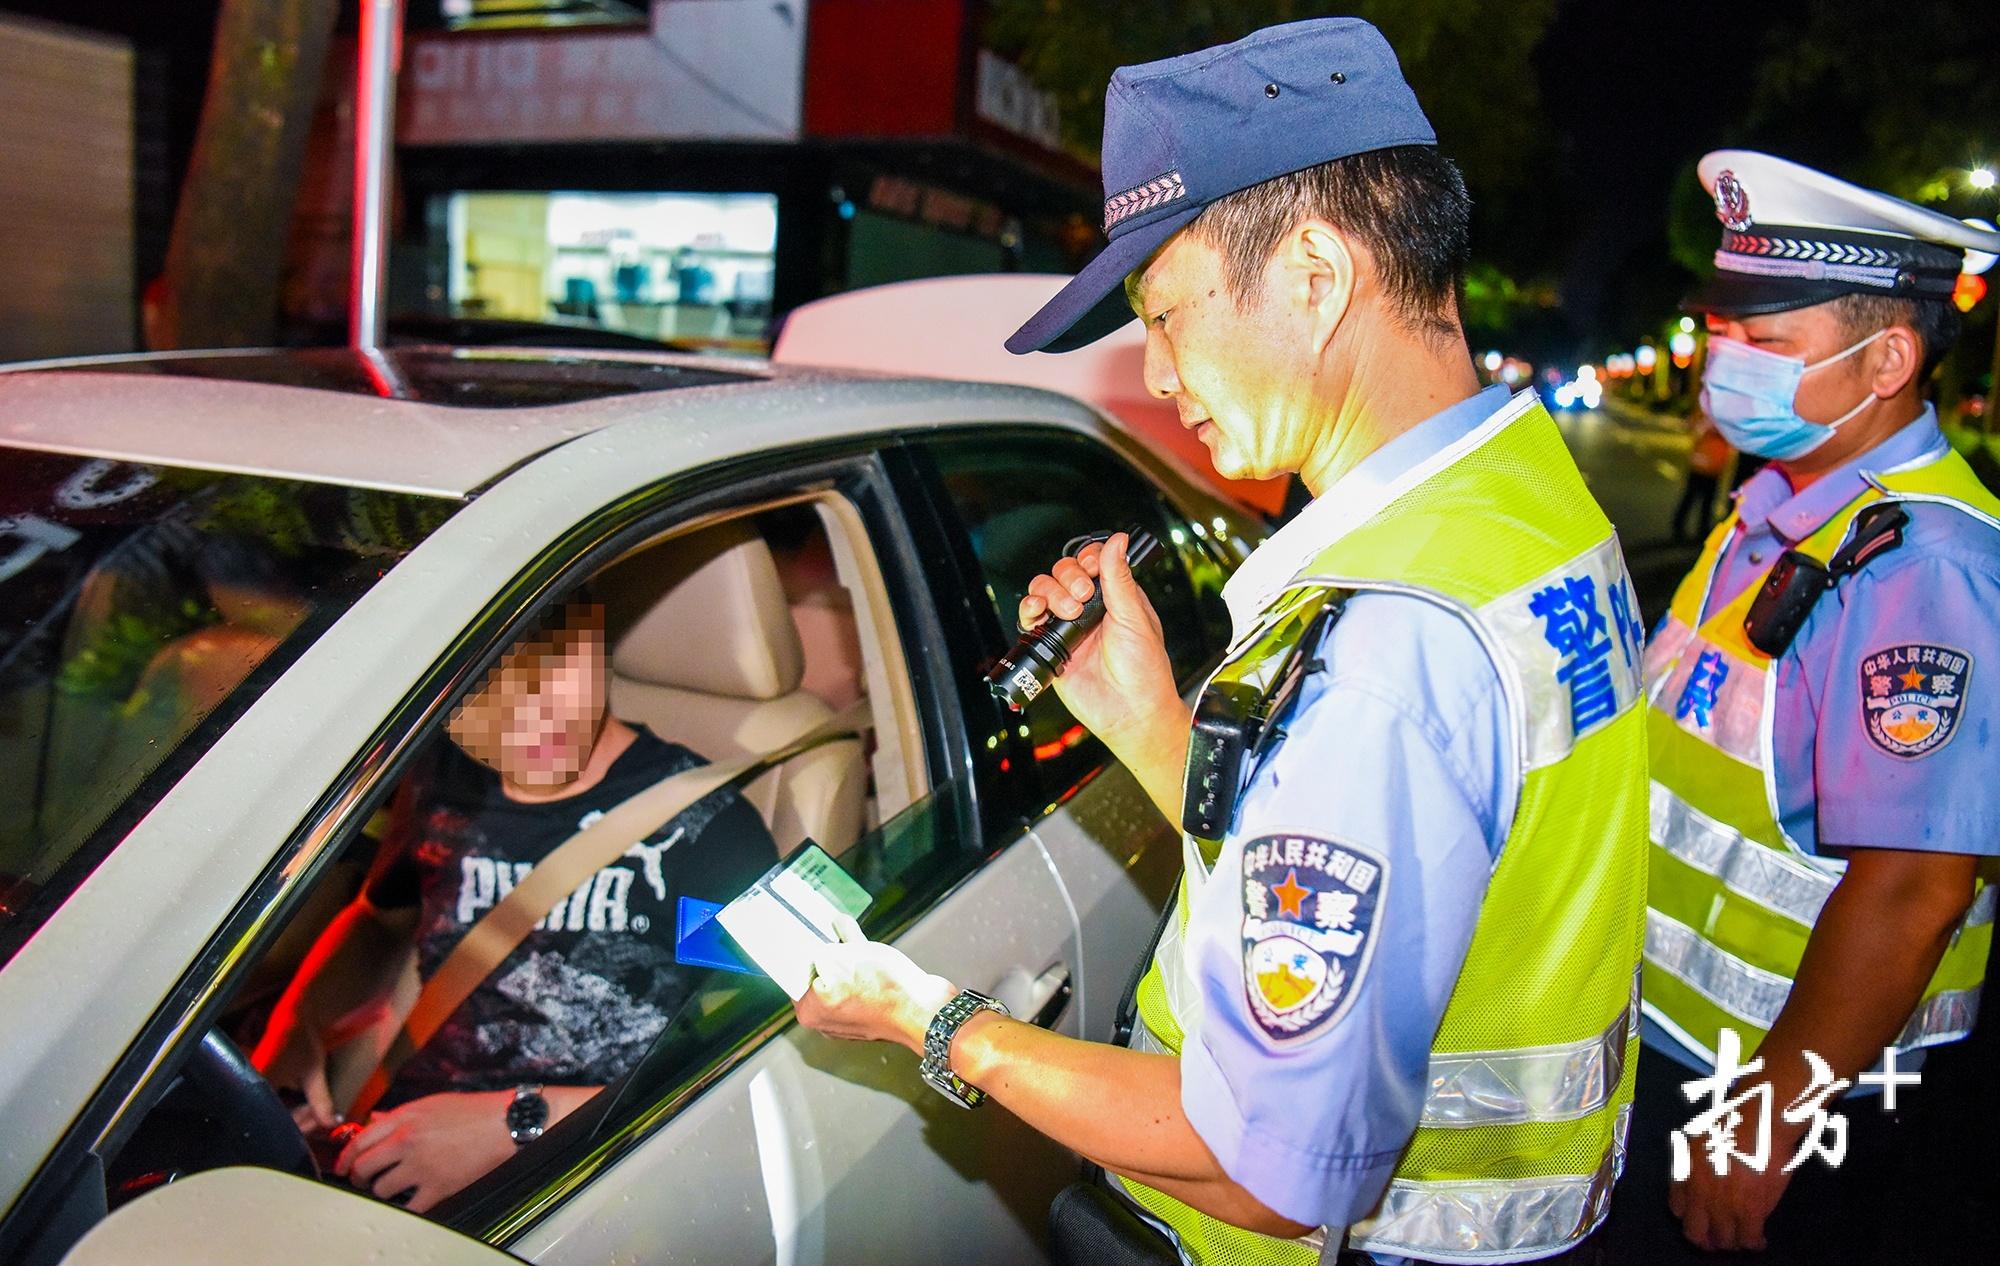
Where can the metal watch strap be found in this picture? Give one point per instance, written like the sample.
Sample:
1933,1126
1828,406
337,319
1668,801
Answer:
936,1066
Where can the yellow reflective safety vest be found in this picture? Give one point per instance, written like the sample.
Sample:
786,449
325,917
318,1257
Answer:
1732,900
1522,1131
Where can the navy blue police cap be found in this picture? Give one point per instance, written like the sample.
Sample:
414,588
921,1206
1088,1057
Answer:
1183,132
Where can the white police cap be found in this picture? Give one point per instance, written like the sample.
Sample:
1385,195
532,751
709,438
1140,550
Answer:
1793,237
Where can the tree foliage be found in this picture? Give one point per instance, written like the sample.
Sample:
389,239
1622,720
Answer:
1901,99
1467,59
225,261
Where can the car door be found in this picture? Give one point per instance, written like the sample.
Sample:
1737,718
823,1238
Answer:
768,1143
809,1150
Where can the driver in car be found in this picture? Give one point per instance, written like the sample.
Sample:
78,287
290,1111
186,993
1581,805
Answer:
535,756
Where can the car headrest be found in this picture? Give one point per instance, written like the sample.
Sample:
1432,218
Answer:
706,612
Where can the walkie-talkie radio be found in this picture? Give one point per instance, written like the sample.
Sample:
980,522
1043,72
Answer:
1044,651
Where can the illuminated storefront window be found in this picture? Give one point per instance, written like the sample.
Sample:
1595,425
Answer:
684,268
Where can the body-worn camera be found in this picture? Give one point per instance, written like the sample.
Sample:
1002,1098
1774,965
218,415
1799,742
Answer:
1044,651
1795,583
1233,718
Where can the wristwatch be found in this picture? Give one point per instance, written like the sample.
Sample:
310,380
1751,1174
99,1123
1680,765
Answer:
936,1068
527,1115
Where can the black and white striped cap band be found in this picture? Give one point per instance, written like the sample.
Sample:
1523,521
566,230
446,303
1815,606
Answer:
1871,261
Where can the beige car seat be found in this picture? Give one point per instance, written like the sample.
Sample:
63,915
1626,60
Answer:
705,654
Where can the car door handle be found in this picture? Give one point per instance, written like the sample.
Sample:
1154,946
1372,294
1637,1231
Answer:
1050,997
1039,1000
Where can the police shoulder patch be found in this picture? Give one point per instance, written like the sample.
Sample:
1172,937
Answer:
1911,694
1309,911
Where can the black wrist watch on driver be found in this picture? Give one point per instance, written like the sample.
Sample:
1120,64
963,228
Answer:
527,1115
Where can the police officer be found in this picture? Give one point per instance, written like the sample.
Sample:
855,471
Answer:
1822,700
1390,1010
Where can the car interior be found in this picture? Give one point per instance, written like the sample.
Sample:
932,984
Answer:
782,653
733,636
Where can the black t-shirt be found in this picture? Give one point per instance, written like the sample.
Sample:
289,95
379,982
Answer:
582,997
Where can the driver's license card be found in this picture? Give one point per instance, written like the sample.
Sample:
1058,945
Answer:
788,915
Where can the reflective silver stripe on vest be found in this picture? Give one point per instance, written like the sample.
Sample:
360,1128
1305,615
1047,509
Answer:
1535,1083
1494,1220
1586,605
1756,996
1144,1041
1663,651
1749,993
1726,711
1981,911
1943,1017
1770,877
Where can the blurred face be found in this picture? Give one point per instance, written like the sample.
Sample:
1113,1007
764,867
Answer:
1248,379
536,717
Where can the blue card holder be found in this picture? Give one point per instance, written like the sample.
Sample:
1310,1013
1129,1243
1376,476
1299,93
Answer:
699,940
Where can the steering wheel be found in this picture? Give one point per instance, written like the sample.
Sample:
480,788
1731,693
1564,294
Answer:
219,1111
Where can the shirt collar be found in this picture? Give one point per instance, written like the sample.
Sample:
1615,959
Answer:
1767,498
1354,497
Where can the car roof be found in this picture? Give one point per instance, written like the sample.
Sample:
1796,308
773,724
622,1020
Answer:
436,420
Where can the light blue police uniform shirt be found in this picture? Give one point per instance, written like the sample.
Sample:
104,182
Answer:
1841,784
1397,749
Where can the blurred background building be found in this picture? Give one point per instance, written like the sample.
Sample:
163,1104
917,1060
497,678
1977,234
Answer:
690,171
677,171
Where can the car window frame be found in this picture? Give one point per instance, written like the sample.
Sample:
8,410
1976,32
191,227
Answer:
1035,796
511,1200
995,757
151,1061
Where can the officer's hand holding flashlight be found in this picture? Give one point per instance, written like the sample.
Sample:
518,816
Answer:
1118,681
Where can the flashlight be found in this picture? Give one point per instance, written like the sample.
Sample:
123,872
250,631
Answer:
1044,651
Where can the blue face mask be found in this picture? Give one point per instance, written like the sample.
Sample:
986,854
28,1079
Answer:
1751,393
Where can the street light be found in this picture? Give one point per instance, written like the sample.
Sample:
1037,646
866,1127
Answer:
1982,178
1681,345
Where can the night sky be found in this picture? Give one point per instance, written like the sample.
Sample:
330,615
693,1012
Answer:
1635,93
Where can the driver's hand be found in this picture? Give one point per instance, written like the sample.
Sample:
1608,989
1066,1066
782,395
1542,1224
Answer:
430,1147
292,1057
1121,670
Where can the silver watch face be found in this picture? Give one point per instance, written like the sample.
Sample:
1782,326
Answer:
527,1116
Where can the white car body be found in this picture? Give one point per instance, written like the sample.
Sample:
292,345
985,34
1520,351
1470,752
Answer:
796,1149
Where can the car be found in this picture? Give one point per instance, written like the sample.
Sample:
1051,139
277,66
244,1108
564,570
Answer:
239,593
